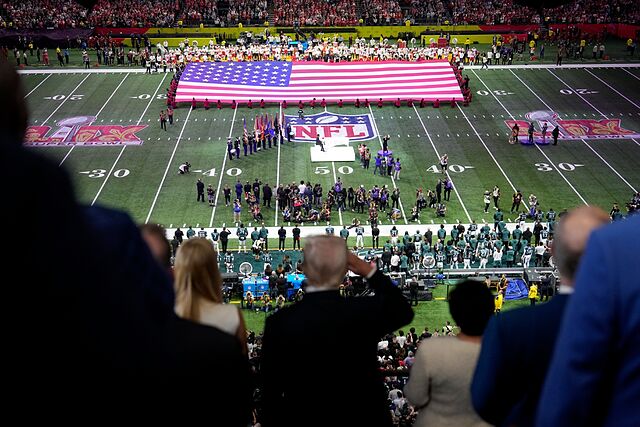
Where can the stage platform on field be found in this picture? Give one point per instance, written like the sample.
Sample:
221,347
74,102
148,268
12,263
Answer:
336,149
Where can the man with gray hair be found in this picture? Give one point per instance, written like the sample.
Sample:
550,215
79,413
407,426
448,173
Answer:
328,340
523,340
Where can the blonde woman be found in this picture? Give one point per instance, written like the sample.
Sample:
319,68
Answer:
198,286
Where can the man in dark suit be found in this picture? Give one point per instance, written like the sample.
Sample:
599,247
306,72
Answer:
413,291
200,190
267,193
593,379
523,340
319,356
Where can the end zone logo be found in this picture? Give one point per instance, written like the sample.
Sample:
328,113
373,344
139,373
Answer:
355,127
571,129
78,131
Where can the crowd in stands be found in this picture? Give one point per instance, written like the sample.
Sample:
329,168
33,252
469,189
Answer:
36,14
594,12
429,12
316,12
247,12
196,11
381,12
41,14
491,12
134,13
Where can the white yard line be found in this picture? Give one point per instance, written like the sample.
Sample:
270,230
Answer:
551,162
579,94
613,89
64,100
106,178
335,179
224,162
90,71
111,96
570,65
150,100
168,165
39,84
278,167
57,108
66,155
97,114
610,167
629,72
455,187
637,143
585,142
490,153
393,181
124,146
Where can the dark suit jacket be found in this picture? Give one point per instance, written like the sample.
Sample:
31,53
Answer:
516,350
594,378
90,312
319,358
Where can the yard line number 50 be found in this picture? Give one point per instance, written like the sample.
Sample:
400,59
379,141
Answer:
324,170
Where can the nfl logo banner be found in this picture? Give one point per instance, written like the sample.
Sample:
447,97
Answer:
355,128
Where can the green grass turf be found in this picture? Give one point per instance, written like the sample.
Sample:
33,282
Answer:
143,179
431,314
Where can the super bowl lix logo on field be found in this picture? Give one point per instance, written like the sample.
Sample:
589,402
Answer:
569,128
327,125
79,131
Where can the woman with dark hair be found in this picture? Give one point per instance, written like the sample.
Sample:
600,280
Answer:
439,384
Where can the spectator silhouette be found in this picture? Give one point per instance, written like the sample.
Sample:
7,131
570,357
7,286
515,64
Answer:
594,371
524,338
439,381
93,311
336,339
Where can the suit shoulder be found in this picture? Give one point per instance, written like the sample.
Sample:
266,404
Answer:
619,231
516,318
530,317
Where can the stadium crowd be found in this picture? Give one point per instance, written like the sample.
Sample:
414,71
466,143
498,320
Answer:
36,14
247,11
41,14
594,12
381,12
134,13
491,12
196,11
315,13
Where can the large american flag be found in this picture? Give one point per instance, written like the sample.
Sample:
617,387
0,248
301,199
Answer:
275,81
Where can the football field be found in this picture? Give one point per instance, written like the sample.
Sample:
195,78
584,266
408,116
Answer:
103,128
